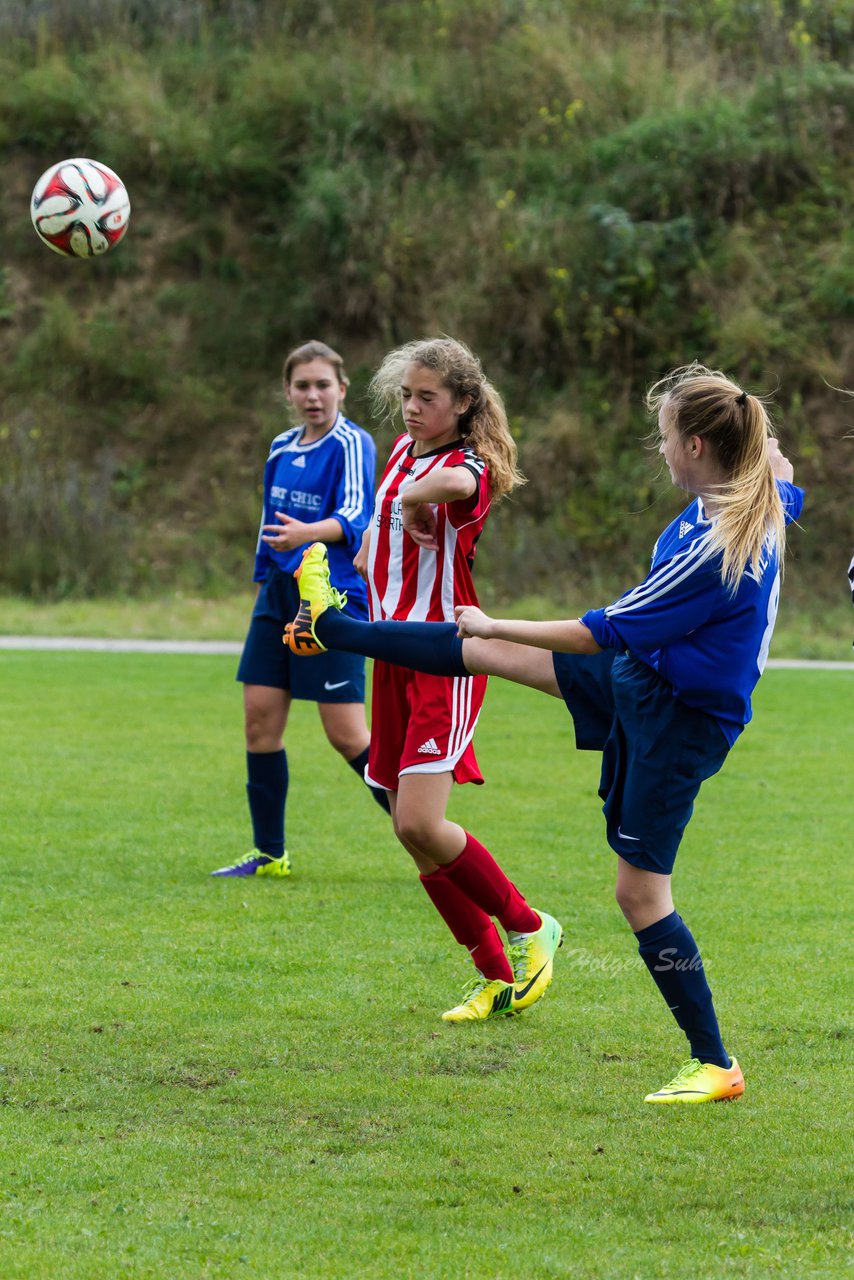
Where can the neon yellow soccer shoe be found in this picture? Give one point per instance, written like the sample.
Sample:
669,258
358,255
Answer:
317,594
532,957
482,998
697,1081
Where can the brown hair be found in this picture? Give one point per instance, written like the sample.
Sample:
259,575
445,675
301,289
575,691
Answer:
314,350
484,424
703,402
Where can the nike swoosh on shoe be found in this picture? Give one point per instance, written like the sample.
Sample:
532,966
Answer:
520,995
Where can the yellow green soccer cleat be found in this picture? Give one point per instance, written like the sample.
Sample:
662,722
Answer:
532,956
317,594
697,1081
482,998
257,863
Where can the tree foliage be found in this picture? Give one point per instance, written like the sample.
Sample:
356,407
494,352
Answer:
587,193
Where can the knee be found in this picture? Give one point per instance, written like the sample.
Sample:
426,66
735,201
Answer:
643,901
633,901
262,729
624,896
346,742
413,831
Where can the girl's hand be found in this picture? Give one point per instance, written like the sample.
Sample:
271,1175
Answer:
472,621
419,521
360,562
780,465
286,535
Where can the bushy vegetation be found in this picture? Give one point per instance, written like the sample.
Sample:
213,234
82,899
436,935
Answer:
587,192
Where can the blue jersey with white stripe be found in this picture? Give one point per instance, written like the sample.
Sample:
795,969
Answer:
333,476
711,645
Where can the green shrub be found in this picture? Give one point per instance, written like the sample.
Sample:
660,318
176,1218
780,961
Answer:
587,193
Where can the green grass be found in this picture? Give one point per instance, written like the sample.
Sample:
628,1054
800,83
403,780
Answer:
209,1079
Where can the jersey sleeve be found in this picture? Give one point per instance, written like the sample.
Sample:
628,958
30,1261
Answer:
678,596
263,559
462,511
792,498
354,488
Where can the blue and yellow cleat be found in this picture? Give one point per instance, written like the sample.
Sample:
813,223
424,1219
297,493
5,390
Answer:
698,1081
317,594
257,863
532,958
482,998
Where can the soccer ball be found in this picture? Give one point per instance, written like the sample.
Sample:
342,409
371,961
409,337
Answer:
80,208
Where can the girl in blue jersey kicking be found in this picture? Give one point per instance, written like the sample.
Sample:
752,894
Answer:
318,487
660,681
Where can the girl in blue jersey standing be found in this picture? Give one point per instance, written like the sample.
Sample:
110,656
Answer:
660,681
318,487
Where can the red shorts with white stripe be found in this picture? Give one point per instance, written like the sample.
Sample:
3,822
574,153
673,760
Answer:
423,724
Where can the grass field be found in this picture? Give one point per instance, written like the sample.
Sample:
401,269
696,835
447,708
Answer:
225,1079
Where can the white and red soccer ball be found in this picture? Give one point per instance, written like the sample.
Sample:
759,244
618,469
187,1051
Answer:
80,208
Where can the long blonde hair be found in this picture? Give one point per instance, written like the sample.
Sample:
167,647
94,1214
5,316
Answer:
484,424
703,402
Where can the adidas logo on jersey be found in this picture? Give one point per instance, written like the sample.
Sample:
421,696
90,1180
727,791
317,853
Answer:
298,461
429,748
684,527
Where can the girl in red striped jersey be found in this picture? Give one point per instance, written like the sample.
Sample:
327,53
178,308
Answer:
456,458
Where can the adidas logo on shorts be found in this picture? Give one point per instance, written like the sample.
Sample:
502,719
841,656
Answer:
429,748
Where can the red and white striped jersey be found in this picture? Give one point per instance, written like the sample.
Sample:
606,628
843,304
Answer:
406,581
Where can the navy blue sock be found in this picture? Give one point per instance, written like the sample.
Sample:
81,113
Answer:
432,647
670,953
267,790
360,764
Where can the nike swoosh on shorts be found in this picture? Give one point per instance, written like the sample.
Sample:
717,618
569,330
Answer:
340,685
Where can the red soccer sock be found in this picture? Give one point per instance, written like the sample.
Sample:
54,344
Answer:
490,957
471,926
481,879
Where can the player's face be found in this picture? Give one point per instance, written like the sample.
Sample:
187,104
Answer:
676,452
431,413
316,394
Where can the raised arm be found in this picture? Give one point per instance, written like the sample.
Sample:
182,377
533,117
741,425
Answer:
418,500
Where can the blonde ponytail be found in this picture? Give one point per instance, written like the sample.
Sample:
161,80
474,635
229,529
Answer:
704,402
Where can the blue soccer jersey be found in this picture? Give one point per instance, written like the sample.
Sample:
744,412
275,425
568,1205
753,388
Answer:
330,477
709,644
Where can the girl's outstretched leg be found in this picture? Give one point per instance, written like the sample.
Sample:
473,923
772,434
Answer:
431,647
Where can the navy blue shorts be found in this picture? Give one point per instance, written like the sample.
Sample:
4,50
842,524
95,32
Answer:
656,751
328,677
585,683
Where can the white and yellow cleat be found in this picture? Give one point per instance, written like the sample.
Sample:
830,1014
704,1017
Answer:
698,1081
482,998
